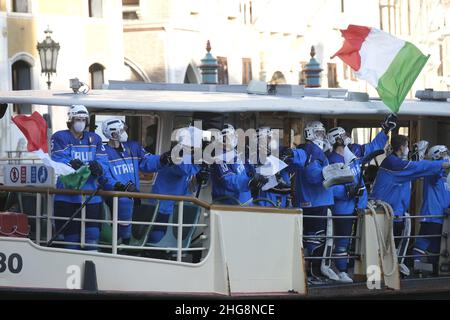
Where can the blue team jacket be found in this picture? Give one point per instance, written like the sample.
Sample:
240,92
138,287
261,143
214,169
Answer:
343,205
231,180
124,166
436,197
308,164
65,147
173,180
393,181
280,199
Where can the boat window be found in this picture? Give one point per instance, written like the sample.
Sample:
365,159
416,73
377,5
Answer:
149,133
365,135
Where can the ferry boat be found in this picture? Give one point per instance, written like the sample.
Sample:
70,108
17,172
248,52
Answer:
213,250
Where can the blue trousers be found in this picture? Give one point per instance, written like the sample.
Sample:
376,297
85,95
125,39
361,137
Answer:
125,213
72,233
342,227
314,227
427,245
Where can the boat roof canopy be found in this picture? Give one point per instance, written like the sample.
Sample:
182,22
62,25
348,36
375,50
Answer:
221,102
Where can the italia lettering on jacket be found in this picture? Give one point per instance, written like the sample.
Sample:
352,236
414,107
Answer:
123,169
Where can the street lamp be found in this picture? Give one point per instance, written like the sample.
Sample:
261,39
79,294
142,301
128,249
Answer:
48,53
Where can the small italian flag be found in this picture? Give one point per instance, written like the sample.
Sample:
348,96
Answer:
34,129
389,64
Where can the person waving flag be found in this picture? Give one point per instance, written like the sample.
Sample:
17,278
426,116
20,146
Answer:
389,64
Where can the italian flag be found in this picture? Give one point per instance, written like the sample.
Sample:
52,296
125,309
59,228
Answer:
34,129
389,64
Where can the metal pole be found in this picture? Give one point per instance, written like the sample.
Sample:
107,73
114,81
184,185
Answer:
180,230
114,226
49,83
38,218
83,225
49,216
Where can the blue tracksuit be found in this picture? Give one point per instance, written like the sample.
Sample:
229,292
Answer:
64,148
170,180
124,167
436,198
308,163
173,180
363,150
278,196
231,180
393,181
343,205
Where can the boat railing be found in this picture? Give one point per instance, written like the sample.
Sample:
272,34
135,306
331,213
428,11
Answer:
115,247
442,234
325,237
403,251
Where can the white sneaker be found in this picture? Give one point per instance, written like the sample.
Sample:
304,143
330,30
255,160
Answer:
344,277
329,273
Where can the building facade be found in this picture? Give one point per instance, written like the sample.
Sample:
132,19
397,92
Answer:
91,48
259,39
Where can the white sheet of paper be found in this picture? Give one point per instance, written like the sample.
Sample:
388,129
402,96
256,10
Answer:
272,166
270,184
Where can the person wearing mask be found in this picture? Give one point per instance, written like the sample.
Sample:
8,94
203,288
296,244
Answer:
393,181
346,196
232,179
307,162
174,178
126,158
77,147
280,193
436,199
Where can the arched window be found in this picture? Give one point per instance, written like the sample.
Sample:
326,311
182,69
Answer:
97,76
95,9
189,76
21,80
20,6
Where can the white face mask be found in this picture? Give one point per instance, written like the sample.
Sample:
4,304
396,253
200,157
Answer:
123,137
79,126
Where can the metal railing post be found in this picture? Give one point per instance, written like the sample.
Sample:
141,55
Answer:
38,218
83,225
180,230
49,216
114,226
